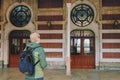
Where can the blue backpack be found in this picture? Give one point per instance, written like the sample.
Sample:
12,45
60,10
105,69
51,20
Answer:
26,63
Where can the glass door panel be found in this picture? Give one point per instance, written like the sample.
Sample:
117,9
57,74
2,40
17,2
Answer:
24,41
15,46
75,46
78,45
88,46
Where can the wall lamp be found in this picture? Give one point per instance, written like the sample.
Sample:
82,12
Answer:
115,24
49,24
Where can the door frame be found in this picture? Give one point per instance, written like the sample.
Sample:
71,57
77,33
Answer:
78,59
94,27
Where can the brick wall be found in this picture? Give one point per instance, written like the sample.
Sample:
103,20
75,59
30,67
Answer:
51,37
110,34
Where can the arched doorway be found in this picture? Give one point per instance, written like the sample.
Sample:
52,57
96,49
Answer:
22,21
82,49
17,41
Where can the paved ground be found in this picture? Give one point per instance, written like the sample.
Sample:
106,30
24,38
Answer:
77,74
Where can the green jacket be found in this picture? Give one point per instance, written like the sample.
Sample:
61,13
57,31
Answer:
38,54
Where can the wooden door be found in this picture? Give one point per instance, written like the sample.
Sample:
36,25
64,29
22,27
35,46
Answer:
17,41
82,50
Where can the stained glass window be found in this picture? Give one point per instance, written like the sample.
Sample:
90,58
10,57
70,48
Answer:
82,15
20,16
19,34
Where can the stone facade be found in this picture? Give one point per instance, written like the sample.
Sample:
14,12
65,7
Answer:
107,53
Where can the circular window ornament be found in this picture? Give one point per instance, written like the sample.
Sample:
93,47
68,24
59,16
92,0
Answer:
82,15
20,16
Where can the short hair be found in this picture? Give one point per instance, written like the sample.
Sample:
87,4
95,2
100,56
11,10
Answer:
35,37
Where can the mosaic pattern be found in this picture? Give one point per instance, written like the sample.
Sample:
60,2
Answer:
20,16
82,15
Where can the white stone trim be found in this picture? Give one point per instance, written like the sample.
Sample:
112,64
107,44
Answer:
111,50
50,31
110,40
110,60
50,11
110,10
111,31
55,59
53,49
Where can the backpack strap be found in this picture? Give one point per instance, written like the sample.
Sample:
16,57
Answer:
35,48
36,62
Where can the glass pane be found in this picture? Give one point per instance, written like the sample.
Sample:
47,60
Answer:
75,46
71,46
86,46
19,34
88,33
91,46
24,43
78,44
15,46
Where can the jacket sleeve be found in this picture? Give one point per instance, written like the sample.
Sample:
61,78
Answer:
43,62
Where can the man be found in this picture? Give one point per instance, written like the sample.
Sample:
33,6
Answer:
38,54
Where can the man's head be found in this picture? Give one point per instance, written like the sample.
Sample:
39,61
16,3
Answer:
35,37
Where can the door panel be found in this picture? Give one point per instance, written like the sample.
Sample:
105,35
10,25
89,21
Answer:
82,52
82,62
17,41
84,59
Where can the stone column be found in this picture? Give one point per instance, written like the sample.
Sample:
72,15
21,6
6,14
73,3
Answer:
68,65
6,55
